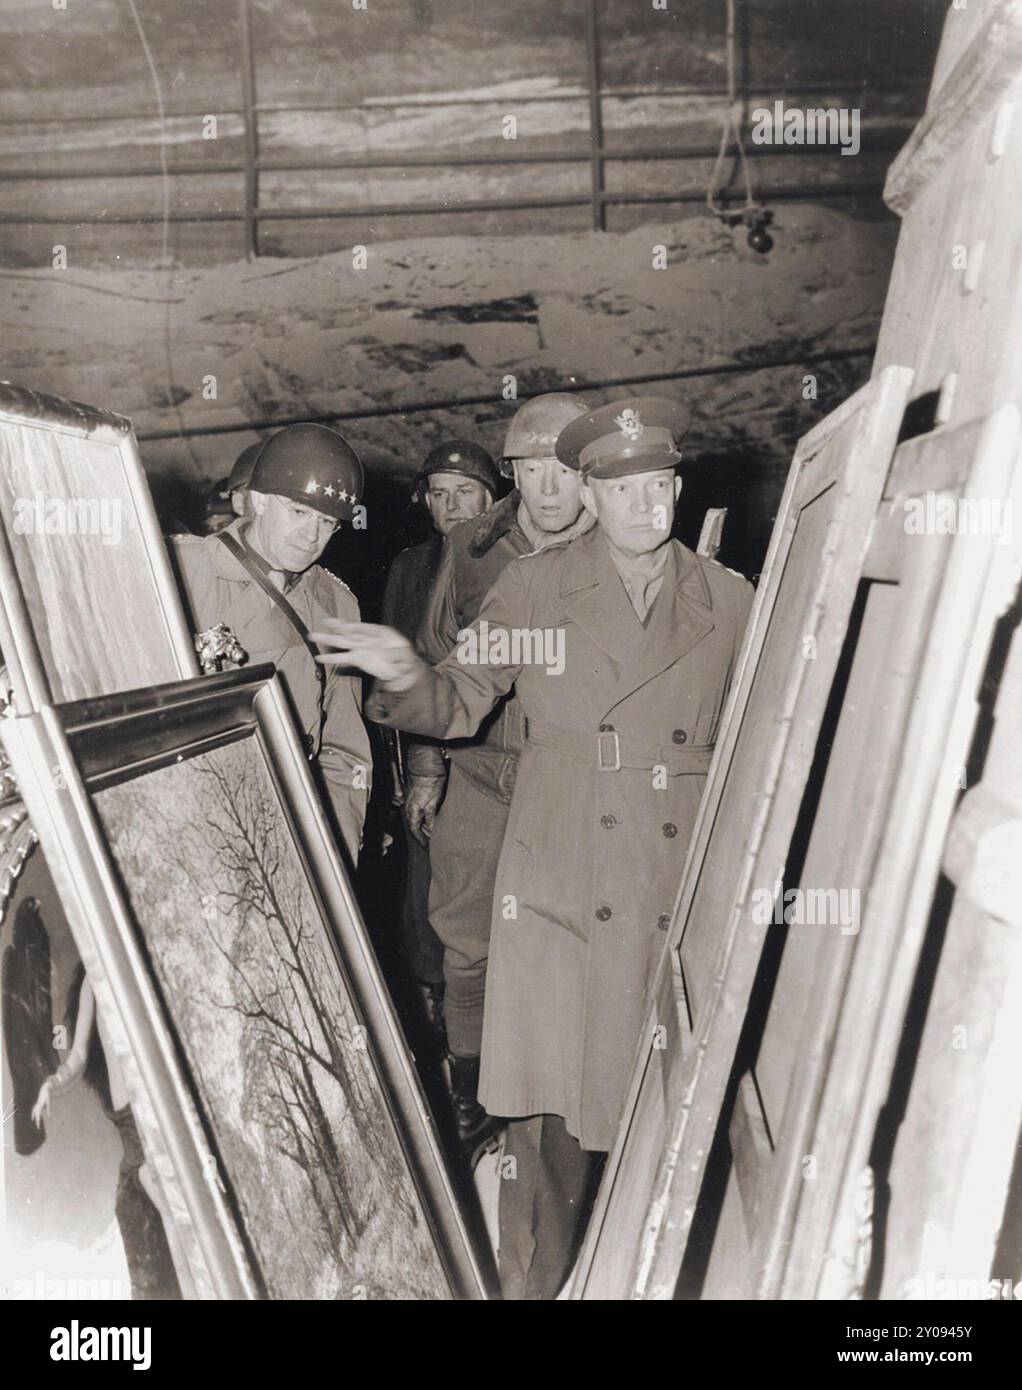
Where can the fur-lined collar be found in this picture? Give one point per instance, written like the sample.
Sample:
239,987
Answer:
502,519
499,521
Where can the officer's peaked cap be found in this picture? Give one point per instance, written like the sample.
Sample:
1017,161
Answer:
637,435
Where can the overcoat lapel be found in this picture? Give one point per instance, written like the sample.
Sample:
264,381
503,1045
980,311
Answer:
680,618
596,601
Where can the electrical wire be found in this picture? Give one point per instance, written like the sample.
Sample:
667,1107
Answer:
732,127
172,389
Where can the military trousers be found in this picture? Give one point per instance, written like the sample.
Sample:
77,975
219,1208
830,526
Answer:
547,1186
464,851
423,949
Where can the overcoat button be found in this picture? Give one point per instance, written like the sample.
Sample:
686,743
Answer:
603,914
606,728
663,921
608,822
670,830
680,736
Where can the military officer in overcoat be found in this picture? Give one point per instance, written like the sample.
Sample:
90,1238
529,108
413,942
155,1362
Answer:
621,648
475,779
259,577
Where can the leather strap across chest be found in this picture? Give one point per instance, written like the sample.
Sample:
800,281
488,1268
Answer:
251,565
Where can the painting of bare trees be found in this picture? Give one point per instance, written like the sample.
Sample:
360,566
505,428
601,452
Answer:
283,1067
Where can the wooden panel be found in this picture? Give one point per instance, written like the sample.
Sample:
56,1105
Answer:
950,1179
731,1275
952,1163
963,98
816,951
954,305
745,821
755,769
829,1040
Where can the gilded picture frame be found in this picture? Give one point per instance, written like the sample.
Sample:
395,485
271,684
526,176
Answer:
88,602
269,1079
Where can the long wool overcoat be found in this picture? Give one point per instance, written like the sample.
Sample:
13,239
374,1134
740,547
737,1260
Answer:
603,808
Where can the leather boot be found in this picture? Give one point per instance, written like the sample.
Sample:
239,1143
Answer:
476,1129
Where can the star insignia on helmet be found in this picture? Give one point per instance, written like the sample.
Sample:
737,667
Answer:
328,490
342,496
312,485
629,424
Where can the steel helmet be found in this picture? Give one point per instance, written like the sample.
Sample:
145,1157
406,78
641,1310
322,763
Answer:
241,473
536,424
462,456
313,465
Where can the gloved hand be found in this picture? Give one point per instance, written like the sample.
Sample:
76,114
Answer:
422,801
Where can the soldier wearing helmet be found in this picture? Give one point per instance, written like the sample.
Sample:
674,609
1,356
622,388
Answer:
467,830
228,498
622,708
259,577
458,481
240,480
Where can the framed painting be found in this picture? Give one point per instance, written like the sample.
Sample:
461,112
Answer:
88,604
647,1201
238,998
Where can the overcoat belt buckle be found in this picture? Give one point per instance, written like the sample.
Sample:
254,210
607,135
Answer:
602,756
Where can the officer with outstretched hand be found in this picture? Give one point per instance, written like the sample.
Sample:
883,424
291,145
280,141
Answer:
620,647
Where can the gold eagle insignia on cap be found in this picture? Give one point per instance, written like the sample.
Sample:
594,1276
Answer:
629,423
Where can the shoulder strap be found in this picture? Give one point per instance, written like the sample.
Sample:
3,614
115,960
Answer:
250,565
249,562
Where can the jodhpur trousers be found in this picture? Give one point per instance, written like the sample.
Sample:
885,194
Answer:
463,853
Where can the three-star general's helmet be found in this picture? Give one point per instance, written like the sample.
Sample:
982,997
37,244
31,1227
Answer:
311,464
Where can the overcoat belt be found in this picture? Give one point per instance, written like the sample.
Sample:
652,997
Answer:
622,716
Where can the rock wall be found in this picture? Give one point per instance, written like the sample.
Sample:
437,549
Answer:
428,82
388,351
